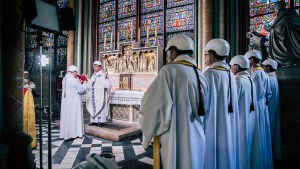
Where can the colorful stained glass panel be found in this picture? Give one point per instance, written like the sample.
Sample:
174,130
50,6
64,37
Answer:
180,19
260,7
152,21
107,12
174,3
126,8
109,47
152,41
152,5
126,28
257,23
107,32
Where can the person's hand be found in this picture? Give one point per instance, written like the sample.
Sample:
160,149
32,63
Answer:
87,77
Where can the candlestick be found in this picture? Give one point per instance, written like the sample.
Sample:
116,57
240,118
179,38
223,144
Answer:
139,34
155,31
104,42
131,30
147,31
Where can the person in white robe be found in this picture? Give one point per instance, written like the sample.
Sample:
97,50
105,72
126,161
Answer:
270,66
172,108
249,145
71,114
263,92
221,122
97,95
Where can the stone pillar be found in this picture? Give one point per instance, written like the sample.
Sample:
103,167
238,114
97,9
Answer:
71,39
289,82
206,29
13,67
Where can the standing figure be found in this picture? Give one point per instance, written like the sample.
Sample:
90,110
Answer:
249,146
97,95
71,114
172,109
263,92
285,35
28,109
270,66
222,120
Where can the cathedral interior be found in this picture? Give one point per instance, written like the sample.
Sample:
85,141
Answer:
128,37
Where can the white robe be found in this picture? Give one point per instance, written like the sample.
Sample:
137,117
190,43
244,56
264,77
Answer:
262,83
221,127
97,103
169,109
71,116
28,84
274,115
250,152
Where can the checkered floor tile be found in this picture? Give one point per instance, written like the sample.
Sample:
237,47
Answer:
128,153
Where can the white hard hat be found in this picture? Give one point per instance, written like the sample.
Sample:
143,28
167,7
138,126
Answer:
220,46
181,42
270,62
72,68
26,72
240,60
97,62
253,53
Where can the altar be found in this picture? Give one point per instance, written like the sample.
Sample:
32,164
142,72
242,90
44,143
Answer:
131,69
124,105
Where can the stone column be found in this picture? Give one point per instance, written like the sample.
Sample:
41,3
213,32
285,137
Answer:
206,30
13,67
71,40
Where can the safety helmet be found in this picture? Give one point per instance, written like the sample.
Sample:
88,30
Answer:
270,62
181,42
253,53
220,46
72,68
240,60
97,62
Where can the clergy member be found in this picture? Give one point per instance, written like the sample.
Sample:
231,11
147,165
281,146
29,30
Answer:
172,109
263,92
249,146
97,95
270,66
221,121
28,109
71,114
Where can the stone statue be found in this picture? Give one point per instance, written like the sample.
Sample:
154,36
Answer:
143,64
151,65
285,36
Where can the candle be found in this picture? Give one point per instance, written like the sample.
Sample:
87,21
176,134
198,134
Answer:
147,31
111,37
155,31
139,34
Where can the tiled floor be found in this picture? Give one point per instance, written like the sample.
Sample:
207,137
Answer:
67,154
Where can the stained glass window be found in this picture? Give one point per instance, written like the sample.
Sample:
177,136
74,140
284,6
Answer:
179,16
152,5
125,28
107,12
126,8
296,2
180,19
262,13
